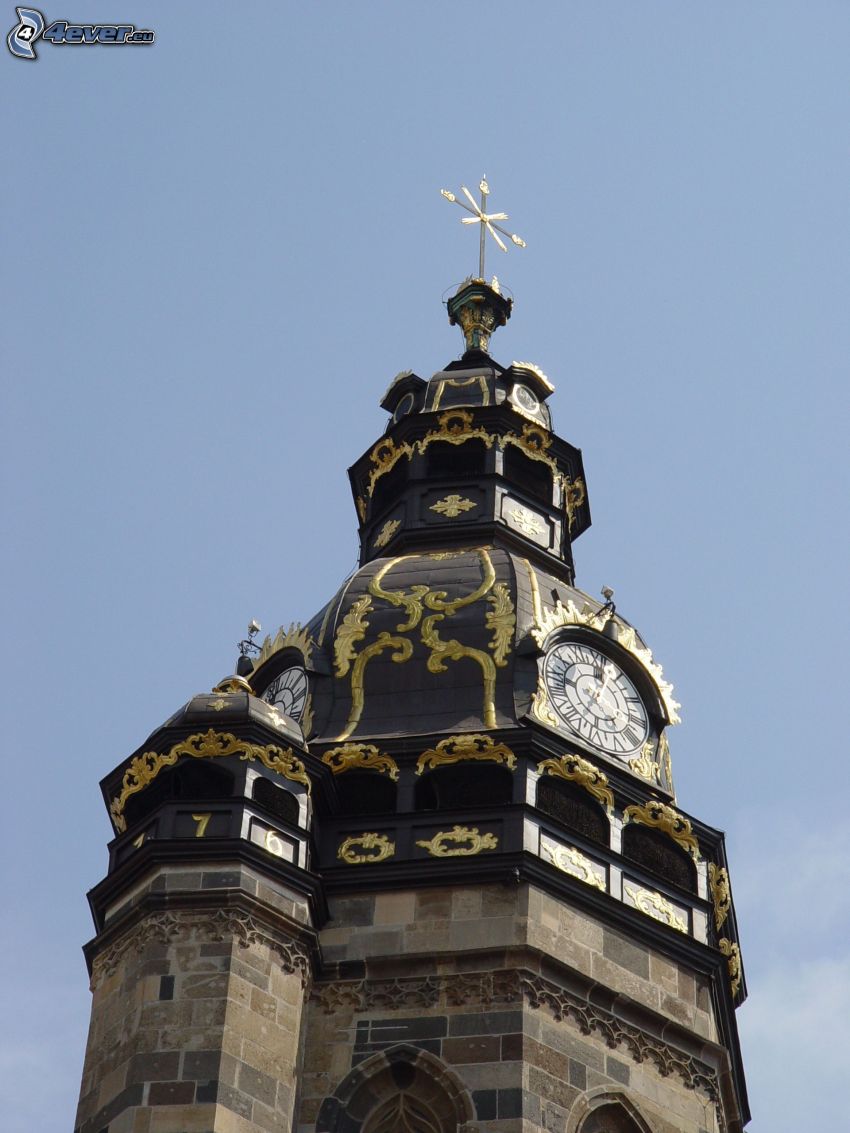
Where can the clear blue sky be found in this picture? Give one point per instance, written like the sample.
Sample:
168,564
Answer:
217,253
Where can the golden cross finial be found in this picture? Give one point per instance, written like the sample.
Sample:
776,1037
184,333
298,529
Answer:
479,216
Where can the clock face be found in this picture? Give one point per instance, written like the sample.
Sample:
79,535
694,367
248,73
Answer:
526,399
404,407
595,698
288,692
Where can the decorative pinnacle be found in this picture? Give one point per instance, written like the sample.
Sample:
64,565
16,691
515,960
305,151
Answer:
486,220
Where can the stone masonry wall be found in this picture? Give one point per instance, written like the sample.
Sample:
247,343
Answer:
493,981
196,1015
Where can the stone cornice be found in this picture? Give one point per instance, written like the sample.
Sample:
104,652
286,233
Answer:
527,976
211,916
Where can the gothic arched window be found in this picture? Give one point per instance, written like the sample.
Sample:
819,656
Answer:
403,1114
614,1117
399,1090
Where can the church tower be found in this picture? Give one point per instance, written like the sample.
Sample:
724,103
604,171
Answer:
420,864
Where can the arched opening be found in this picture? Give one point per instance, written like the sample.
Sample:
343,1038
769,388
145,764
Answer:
610,1111
531,476
611,1118
464,787
571,806
390,486
399,1089
403,1112
456,462
656,853
277,800
365,792
196,780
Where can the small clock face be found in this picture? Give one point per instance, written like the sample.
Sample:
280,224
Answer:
288,692
595,698
526,399
404,407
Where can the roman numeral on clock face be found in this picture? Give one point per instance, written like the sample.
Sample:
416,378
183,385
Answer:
595,699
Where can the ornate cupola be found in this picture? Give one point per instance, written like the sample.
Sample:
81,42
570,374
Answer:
469,455
421,865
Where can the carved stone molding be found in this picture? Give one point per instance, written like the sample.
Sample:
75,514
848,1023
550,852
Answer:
205,926
591,1019
515,986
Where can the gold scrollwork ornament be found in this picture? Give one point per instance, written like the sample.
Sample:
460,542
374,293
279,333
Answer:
474,841
463,749
582,772
644,765
143,769
652,904
377,848
295,636
721,894
569,860
661,817
733,959
384,457
452,506
525,520
352,629
386,533
350,757
501,621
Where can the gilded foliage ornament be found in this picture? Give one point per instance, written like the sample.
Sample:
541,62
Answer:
384,457
452,506
386,533
644,765
352,629
666,765
525,520
415,602
501,621
580,771
721,895
561,615
372,848
455,428
468,840
547,384
569,860
733,958
143,769
295,637
653,905
471,747
402,651
350,757
664,818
